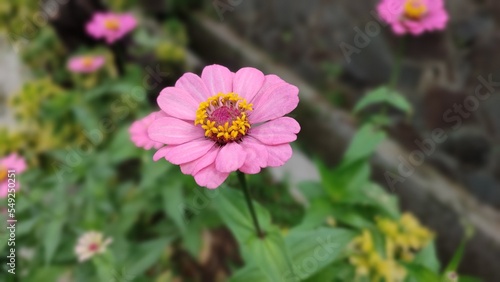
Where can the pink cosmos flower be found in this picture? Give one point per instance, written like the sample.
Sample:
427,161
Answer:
85,64
11,162
413,16
225,121
139,131
110,26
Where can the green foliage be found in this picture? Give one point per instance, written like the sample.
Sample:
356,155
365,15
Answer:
384,95
268,253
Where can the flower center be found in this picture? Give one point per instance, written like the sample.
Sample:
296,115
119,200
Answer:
3,173
112,24
87,62
224,117
93,247
415,9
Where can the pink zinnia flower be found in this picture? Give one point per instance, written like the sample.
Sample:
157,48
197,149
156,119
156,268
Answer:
11,162
413,16
225,121
85,64
139,131
110,26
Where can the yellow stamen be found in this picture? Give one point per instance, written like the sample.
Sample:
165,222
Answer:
224,131
415,9
3,173
112,24
87,62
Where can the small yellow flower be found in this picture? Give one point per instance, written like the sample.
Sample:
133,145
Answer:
407,235
402,238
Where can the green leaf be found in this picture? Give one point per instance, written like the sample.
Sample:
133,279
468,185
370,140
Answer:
121,147
128,215
103,267
459,253
313,250
267,254
311,190
354,170
339,271
372,195
427,257
364,144
48,273
153,172
173,203
418,273
232,208
316,214
26,226
350,215
52,238
4,237
270,255
147,254
340,182
384,95
192,239
249,273
269,261
85,117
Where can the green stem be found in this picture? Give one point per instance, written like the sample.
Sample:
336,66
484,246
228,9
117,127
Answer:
397,67
119,56
243,182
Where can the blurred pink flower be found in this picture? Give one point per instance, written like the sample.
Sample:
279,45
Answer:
110,26
85,64
90,244
139,131
225,121
413,16
10,162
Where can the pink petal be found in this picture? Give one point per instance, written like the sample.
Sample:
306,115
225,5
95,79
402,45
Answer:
270,81
14,162
218,79
247,82
278,131
4,189
184,153
278,155
128,22
210,177
193,84
256,156
177,103
201,163
160,154
230,158
275,101
173,131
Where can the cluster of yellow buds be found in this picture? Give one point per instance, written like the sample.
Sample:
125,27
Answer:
402,239
405,236
370,264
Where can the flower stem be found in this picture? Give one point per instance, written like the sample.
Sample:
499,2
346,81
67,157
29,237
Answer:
397,67
119,56
243,182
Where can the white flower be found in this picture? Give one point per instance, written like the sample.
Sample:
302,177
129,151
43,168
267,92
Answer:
89,244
